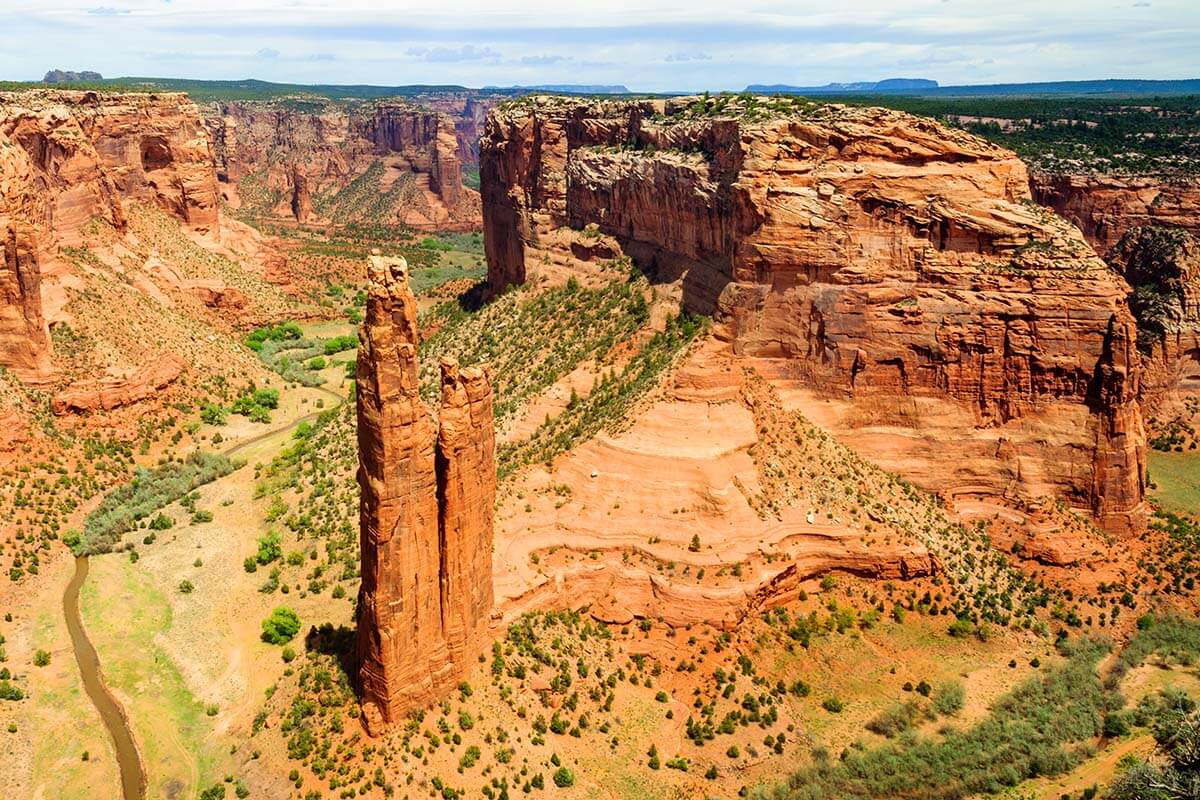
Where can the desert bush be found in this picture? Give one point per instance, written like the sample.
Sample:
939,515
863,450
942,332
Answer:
949,697
150,490
281,627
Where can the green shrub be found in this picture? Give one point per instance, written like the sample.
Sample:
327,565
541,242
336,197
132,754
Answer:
122,508
281,627
270,548
213,414
833,705
339,344
41,658
563,778
161,523
267,397
949,697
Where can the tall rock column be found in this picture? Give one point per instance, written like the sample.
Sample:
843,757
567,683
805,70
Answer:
425,512
466,469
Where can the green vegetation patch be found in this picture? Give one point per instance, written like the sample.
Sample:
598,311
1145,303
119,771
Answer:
150,490
1041,728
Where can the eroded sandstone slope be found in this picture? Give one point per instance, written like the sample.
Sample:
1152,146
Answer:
68,158
391,161
870,257
1106,207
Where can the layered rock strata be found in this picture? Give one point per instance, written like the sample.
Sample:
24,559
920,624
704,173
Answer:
1162,265
304,152
24,337
870,254
428,493
70,157
1106,207
119,388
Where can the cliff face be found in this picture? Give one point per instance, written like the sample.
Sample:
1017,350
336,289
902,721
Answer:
1162,265
469,114
1106,207
867,253
24,337
76,155
426,511
320,151
68,157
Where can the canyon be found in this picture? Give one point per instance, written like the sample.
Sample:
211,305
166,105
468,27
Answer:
300,155
944,325
427,496
1105,207
68,158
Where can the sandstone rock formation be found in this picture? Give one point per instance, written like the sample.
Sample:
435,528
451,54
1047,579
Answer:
1106,207
74,156
69,157
24,337
67,76
870,255
469,113
1162,265
119,388
301,196
427,501
302,152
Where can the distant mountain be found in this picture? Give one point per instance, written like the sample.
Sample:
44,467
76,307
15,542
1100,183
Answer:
562,88
877,87
66,76
927,88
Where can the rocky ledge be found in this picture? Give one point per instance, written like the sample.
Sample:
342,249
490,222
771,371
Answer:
871,255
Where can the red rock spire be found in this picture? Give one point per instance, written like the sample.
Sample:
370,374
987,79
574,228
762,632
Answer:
425,517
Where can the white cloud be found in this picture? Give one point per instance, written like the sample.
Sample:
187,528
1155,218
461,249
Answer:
644,44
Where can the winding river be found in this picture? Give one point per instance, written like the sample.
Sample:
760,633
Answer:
129,759
133,774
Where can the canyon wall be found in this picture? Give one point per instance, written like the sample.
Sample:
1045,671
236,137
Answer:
1162,265
862,253
301,151
1145,226
469,113
69,157
428,494
24,336
1106,207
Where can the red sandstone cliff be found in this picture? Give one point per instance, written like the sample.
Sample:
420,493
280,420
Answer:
1106,207
68,157
868,253
1162,265
24,337
321,150
426,511
78,155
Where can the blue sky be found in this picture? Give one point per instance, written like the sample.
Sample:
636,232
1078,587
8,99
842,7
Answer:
645,45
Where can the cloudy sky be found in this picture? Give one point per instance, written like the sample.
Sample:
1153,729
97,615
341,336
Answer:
645,45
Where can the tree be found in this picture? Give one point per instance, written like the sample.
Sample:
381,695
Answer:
281,627
563,778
